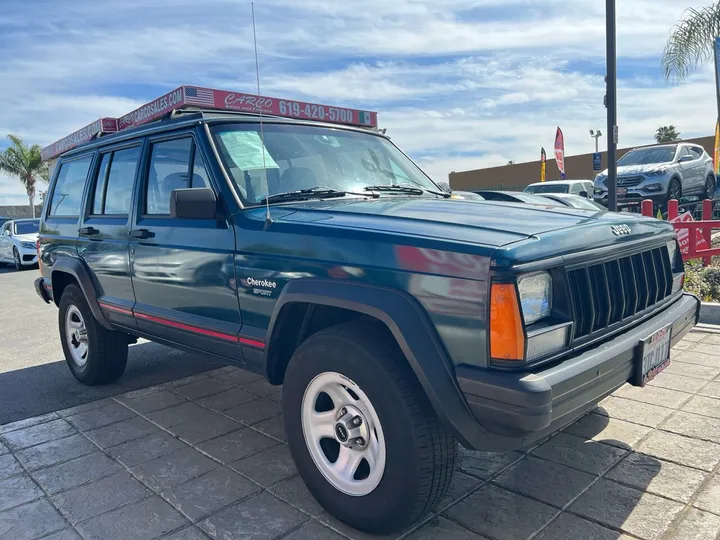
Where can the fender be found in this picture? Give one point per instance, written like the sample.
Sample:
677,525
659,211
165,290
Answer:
79,270
412,330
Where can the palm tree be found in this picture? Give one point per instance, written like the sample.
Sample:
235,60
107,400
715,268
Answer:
691,42
24,162
666,134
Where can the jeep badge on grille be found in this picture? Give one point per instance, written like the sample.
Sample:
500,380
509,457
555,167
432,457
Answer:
620,230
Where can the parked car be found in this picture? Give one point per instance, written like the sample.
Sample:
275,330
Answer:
582,188
468,195
660,173
398,321
574,201
514,196
17,242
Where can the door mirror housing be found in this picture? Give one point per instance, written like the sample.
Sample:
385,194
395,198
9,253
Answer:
683,159
194,203
583,193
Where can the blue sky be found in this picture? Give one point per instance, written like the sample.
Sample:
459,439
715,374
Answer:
459,84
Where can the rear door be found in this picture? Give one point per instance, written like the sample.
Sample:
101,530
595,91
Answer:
104,240
182,269
59,231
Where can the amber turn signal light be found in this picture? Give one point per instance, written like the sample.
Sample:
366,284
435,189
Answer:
507,339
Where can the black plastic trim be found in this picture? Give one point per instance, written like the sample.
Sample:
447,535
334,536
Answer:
79,270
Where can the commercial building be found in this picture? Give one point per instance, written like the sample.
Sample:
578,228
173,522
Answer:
516,177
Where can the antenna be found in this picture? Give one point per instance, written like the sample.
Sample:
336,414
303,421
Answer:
268,218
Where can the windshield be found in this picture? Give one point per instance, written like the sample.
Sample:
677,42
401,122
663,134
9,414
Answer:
298,157
648,156
27,227
548,188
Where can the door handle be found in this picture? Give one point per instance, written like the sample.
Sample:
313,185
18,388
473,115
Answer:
88,231
141,233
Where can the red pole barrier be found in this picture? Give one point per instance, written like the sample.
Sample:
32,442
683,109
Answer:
646,207
707,212
672,209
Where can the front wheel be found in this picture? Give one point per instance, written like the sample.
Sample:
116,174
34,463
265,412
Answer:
674,191
364,436
710,186
94,354
17,262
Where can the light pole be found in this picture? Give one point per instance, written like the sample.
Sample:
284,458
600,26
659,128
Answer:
596,135
611,104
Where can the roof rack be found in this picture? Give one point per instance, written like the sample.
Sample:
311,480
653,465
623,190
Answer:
196,97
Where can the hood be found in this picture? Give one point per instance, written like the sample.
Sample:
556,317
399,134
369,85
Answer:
627,170
32,237
487,223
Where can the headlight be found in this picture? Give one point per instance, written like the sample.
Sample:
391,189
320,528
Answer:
28,245
535,296
659,172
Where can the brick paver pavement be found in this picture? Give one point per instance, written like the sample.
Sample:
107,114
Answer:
206,457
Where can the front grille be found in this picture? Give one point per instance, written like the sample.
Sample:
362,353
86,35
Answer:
628,181
607,293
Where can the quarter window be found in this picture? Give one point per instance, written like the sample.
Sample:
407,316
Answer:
116,177
170,164
696,152
68,190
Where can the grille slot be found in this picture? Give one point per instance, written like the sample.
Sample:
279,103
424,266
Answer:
607,293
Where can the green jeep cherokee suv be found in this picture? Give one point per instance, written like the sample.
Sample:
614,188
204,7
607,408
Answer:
398,320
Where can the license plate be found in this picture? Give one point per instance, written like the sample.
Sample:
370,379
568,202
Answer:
622,191
654,356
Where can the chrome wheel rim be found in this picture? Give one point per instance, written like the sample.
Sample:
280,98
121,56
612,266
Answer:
76,335
674,191
710,187
18,264
343,434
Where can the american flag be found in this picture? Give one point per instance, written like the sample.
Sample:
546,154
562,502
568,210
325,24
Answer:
199,96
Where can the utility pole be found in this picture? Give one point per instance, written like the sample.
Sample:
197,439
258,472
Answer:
611,104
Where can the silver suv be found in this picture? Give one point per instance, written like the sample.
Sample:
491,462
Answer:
660,173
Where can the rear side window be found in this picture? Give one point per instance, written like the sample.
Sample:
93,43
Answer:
116,177
696,152
69,186
170,166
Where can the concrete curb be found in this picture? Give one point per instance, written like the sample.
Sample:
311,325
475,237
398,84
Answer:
710,313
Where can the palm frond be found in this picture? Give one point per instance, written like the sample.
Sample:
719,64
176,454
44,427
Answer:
24,162
691,42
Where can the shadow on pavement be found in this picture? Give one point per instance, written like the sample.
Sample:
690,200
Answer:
50,387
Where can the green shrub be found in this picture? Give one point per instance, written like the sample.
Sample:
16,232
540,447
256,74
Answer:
703,282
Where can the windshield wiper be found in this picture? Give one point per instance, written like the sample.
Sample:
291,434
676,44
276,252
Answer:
302,194
405,189
317,192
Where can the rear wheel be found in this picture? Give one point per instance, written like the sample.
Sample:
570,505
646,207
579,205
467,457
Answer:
94,354
364,436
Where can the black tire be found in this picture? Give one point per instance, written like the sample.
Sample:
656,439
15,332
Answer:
17,263
710,186
420,452
674,191
107,350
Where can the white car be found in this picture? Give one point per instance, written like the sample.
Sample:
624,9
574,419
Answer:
582,188
18,242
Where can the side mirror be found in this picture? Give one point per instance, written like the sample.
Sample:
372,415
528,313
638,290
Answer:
584,194
683,159
193,203
445,187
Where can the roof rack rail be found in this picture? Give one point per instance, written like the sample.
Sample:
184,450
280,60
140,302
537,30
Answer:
98,128
199,99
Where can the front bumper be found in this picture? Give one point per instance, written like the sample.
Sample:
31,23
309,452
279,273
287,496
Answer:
517,409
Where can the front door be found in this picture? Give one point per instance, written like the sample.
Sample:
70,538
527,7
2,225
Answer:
182,269
5,241
103,237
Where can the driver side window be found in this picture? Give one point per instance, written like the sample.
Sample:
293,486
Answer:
5,230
